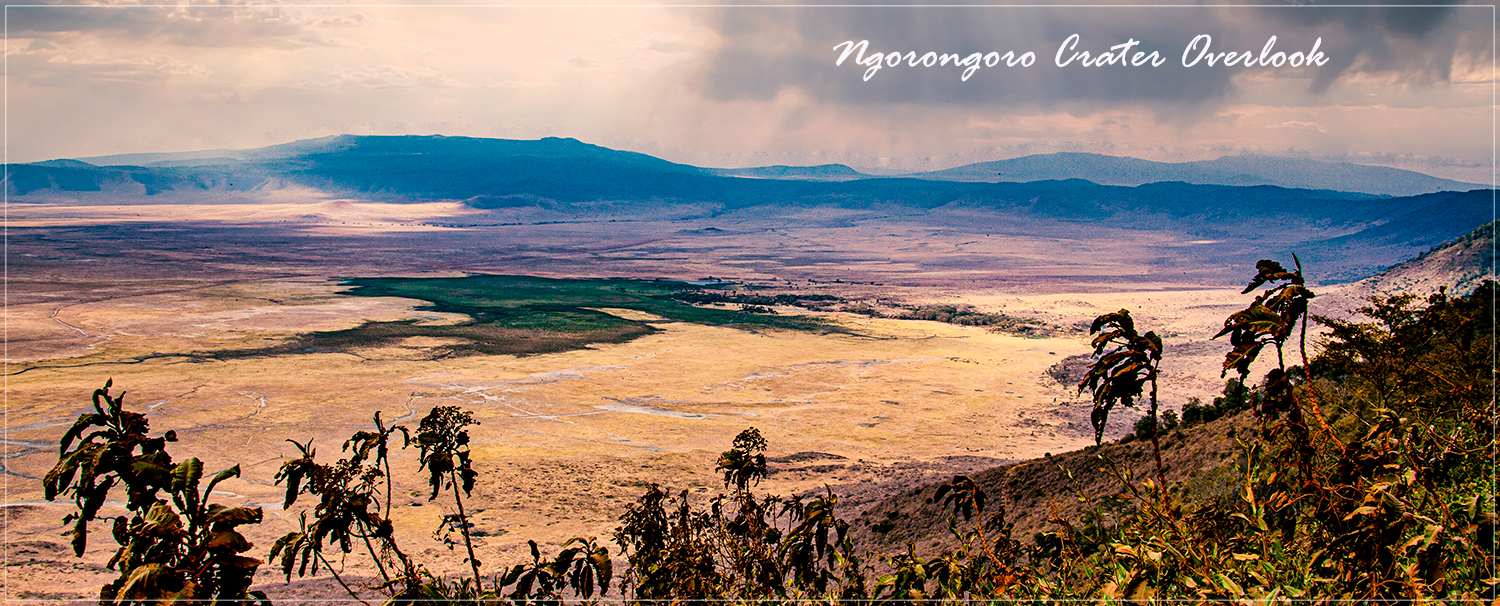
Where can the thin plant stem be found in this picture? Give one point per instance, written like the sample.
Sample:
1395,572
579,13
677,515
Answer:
1161,476
463,525
1312,395
406,563
387,462
365,535
336,577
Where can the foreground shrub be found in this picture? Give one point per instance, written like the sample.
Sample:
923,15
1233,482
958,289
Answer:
185,549
1397,505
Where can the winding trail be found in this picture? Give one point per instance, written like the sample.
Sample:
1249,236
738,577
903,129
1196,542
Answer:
54,318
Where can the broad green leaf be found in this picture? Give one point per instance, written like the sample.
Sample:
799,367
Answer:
186,475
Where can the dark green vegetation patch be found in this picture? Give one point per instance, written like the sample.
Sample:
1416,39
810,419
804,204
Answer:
563,305
526,315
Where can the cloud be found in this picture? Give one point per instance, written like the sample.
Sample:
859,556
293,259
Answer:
184,25
1410,44
385,76
1300,124
52,67
747,85
767,49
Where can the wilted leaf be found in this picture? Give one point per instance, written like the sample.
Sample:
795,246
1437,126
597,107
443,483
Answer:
228,539
84,421
604,567
162,515
151,473
80,537
235,516
144,583
232,472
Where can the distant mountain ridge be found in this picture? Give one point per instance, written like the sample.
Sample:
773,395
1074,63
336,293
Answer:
491,173
1243,170
1237,170
1368,231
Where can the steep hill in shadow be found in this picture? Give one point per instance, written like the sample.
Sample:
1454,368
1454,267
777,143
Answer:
1199,460
1457,266
1431,220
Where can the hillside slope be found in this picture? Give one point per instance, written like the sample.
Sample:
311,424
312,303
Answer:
1199,460
1458,266
1429,221
1032,492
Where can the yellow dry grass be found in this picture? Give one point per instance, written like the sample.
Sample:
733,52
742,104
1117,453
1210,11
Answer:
578,431
566,439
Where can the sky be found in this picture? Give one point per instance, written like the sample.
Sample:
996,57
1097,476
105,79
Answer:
749,85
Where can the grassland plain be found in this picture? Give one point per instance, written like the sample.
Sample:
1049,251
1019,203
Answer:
565,437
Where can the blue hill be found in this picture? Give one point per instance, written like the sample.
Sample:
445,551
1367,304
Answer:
1228,170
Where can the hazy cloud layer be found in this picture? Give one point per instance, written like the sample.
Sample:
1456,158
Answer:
772,49
754,84
187,26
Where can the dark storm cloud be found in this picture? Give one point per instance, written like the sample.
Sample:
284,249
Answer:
1416,44
768,49
194,25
